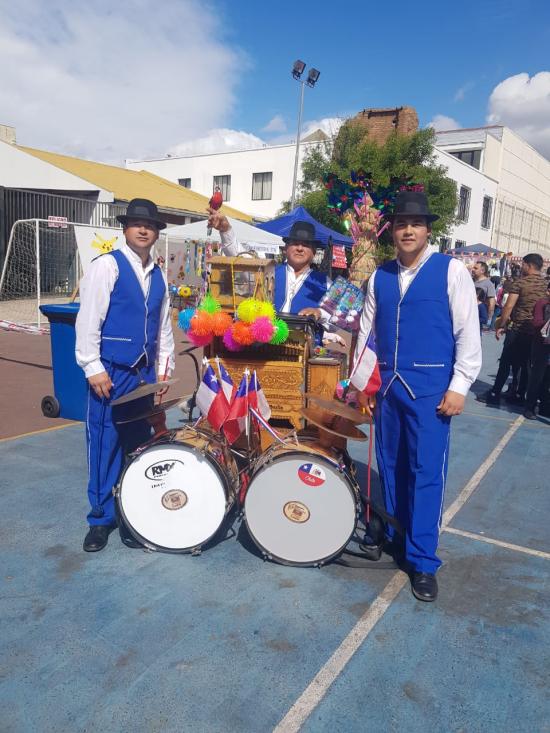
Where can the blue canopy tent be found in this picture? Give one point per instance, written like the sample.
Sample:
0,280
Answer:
283,224
475,249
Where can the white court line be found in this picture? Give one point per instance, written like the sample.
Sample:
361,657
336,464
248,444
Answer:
498,543
329,672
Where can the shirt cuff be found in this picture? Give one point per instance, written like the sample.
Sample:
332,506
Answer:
93,368
460,384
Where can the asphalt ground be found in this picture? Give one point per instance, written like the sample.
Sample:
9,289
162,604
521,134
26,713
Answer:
132,640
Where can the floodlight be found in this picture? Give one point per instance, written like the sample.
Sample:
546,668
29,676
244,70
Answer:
312,77
298,69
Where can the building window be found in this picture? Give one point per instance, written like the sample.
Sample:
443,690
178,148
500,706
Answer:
463,204
486,212
261,186
472,157
185,182
444,244
460,243
224,185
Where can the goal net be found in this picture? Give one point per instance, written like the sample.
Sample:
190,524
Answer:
41,266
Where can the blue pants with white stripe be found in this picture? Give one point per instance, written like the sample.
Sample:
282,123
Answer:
108,443
412,450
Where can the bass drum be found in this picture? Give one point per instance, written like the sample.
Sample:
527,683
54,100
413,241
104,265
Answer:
302,505
174,495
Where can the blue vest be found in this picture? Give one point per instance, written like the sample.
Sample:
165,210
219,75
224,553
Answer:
414,333
131,326
308,296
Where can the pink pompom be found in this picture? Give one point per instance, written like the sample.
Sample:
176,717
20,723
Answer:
201,340
263,329
229,342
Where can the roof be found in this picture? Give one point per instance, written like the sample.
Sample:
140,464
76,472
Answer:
127,185
283,224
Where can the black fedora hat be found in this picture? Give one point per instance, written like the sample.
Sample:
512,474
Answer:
302,231
411,203
142,209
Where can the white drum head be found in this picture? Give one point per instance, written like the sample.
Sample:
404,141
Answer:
300,509
172,497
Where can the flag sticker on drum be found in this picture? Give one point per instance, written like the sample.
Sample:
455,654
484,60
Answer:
311,474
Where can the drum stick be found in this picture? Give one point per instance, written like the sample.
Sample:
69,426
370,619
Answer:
164,377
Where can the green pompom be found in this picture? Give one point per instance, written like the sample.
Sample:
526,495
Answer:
209,304
281,332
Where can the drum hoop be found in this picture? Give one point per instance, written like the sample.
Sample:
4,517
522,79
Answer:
228,489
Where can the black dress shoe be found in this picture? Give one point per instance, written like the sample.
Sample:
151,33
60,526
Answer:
490,398
372,552
529,415
97,538
424,586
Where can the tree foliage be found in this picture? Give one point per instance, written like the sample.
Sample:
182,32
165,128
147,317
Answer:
405,157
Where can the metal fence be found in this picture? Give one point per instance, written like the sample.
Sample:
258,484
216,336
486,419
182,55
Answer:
17,204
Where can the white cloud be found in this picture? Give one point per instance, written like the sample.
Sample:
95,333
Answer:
329,125
523,104
113,80
442,122
462,91
217,141
276,124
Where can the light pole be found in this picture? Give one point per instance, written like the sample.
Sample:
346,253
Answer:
312,77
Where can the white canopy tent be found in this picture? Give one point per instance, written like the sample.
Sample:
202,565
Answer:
249,237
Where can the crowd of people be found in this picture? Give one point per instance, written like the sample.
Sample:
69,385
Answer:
515,303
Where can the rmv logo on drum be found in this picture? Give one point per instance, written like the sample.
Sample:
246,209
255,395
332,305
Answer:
160,469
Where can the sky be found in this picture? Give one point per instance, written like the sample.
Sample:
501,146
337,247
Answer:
135,79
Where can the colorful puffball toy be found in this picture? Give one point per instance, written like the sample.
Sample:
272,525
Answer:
184,318
242,333
197,340
209,304
221,322
263,329
201,324
281,332
247,310
230,343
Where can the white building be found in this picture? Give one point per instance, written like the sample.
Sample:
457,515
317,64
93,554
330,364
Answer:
503,184
521,218
255,181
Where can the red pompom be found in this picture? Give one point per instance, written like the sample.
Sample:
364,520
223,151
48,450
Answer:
221,322
197,340
201,324
242,333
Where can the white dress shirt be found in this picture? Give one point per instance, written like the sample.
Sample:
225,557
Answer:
230,246
95,294
464,315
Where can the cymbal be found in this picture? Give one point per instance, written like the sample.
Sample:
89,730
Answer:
345,429
338,408
143,391
155,410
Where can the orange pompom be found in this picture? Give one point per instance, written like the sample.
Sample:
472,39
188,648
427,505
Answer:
220,323
201,323
242,333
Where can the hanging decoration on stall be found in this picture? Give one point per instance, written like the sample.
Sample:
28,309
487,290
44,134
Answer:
255,323
344,302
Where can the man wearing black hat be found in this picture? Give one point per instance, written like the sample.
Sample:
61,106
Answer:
421,309
298,288
123,331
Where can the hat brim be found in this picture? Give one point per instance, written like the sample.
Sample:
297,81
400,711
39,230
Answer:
429,217
123,219
307,242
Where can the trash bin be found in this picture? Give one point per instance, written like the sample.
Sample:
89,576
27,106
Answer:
70,384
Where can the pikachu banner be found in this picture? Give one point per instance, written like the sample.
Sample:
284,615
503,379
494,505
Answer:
95,241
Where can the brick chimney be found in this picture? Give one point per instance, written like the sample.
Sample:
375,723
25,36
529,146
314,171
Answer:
379,123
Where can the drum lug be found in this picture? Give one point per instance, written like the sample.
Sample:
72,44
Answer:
196,551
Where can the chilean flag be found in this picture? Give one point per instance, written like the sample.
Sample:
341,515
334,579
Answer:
211,400
235,422
365,375
228,387
257,398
